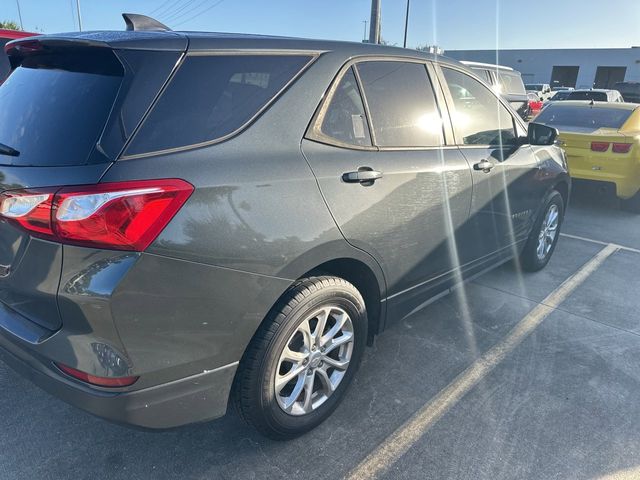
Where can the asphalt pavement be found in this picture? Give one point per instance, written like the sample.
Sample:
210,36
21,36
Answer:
513,376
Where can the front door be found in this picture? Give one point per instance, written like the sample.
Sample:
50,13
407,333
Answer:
391,187
505,191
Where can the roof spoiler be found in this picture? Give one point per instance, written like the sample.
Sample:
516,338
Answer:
136,22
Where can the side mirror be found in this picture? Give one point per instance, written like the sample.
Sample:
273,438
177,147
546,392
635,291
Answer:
539,134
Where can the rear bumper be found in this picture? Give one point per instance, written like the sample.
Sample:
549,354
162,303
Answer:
197,398
624,173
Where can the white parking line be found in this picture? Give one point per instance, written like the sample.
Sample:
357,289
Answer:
591,240
400,441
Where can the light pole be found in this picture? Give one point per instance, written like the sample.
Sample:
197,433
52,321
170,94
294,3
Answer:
374,27
406,25
79,15
19,14
364,36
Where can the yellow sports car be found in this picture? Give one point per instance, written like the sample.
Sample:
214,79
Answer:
602,141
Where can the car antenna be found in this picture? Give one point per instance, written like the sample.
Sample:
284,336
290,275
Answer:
136,22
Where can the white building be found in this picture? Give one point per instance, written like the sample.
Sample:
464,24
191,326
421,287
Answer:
581,68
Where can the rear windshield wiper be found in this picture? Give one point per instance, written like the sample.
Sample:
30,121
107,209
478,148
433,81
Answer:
7,150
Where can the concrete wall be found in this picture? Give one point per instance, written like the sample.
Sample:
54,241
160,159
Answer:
536,65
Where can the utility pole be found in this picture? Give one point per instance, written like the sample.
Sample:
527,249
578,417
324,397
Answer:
364,35
406,25
374,26
19,14
79,15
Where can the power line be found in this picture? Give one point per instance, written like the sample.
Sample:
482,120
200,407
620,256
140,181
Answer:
188,11
181,12
176,7
160,7
201,13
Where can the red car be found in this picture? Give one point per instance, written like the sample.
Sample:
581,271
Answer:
7,36
535,104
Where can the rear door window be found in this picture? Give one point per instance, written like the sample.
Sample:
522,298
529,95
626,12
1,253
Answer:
478,116
213,96
54,107
344,119
401,103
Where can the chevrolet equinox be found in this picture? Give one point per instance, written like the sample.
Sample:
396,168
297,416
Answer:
189,220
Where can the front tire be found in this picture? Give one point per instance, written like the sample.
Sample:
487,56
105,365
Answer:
544,235
303,357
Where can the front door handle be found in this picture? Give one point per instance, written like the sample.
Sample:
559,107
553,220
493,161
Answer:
484,165
364,175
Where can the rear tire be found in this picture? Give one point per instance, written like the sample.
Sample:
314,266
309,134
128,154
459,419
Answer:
544,235
632,204
288,381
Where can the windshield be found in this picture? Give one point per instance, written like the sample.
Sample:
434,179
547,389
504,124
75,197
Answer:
534,86
578,117
54,107
510,82
588,95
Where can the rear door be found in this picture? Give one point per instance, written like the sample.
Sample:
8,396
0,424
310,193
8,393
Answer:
506,194
377,148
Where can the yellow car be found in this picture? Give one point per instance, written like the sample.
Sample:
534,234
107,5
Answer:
602,142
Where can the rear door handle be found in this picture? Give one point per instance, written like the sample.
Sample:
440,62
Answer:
364,175
484,165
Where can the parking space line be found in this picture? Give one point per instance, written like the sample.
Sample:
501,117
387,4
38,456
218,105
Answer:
591,240
401,440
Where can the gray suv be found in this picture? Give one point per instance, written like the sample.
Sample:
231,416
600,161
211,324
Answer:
189,219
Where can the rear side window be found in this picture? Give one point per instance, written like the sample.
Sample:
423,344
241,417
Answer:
345,119
211,97
53,107
478,117
401,103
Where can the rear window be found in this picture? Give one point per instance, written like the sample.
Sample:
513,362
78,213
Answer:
510,83
4,61
580,118
561,95
595,96
53,107
213,96
534,86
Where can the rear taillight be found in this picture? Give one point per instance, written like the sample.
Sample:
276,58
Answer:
599,146
110,382
30,209
621,147
122,216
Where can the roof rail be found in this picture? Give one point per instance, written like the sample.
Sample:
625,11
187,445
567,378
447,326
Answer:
136,22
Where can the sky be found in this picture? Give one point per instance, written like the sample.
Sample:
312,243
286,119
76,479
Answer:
450,24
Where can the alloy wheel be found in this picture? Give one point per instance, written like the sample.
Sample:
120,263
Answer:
548,232
314,360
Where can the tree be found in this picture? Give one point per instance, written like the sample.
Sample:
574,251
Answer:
9,25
